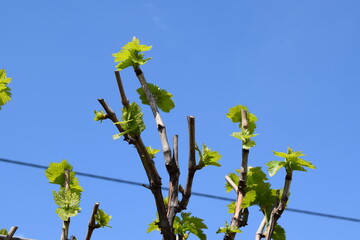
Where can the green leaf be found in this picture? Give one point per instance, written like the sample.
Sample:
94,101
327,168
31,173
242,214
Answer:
249,144
56,175
227,229
264,195
153,226
132,120
278,233
68,203
162,97
303,163
249,199
207,157
274,167
234,113
130,54
5,94
152,152
189,224
231,207
102,218
292,160
255,176
99,116
3,231
235,178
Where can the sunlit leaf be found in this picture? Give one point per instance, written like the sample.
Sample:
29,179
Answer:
102,218
207,157
130,54
5,94
162,97
56,175
68,203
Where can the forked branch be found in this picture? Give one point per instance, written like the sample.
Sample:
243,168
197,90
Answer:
236,218
148,164
92,225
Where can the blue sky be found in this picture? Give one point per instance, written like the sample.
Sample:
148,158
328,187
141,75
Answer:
295,64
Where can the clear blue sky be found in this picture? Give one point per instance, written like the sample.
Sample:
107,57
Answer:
295,64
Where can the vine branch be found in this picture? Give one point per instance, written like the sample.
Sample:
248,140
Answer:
92,225
277,211
148,164
236,220
191,164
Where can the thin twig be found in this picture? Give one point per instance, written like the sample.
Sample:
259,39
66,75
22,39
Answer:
174,173
260,232
232,184
112,116
191,165
124,99
159,122
66,224
277,211
11,233
92,225
236,220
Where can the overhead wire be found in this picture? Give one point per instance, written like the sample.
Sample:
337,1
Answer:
165,188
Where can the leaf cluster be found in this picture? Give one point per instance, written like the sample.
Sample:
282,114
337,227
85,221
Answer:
184,226
130,54
3,231
132,121
68,203
5,94
207,157
292,162
56,175
102,219
257,192
244,135
162,97
228,229
68,200
99,116
152,152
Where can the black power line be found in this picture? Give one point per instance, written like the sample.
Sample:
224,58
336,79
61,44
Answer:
165,188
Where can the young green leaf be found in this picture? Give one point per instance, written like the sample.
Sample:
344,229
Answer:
227,229
153,226
56,175
234,113
231,207
132,121
152,152
102,218
130,54
162,97
207,157
100,116
249,199
5,94
278,233
235,116
189,224
274,167
68,203
3,231
292,162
